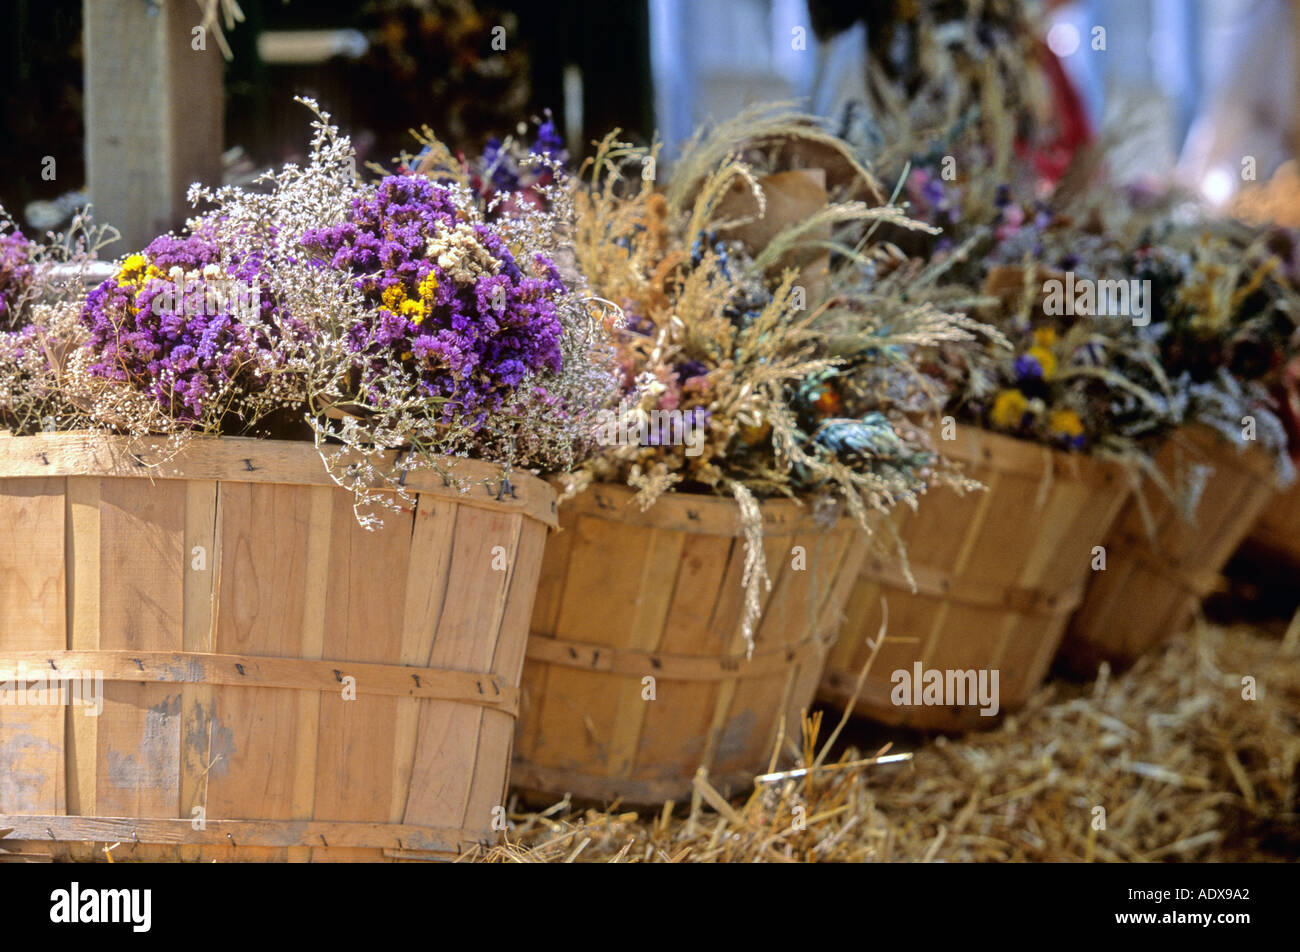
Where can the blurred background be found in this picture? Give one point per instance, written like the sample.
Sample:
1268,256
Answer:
133,99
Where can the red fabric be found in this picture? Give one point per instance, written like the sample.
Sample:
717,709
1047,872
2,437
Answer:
1072,129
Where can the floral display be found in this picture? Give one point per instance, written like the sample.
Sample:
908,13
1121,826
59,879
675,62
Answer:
390,322
447,295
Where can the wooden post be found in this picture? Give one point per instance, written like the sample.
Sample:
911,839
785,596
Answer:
153,113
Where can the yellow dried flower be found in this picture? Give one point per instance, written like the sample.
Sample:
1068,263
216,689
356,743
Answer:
1046,360
1009,408
1065,423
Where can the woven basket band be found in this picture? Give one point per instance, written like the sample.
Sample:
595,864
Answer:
192,667
1198,582
939,584
673,667
394,838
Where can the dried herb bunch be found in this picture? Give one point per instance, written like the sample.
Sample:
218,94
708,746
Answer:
956,88
976,151
394,323
1226,319
754,368
16,253
1209,327
41,294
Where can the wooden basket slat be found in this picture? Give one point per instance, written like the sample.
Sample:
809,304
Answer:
1247,499
823,589
279,758
649,616
427,577
488,788
319,531
740,730
199,596
508,663
82,556
676,724
597,579
838,607
473,586
546,606
165,835
797,608
697,589
32,589
244,459
141,526
255,615
181,668
365,605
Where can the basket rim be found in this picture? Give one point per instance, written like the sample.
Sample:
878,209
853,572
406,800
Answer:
699,513
1210,446
977,446
250,460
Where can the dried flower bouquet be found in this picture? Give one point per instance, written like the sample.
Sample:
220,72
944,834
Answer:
798,384
397,324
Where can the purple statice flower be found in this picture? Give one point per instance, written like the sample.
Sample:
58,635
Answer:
15,273
635,322
1011,218
184,340
549,141
26,342
934,193
500,167
1027,368
450,300
663,430
513,175
687,369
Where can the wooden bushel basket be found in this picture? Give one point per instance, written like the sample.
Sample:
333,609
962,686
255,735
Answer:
627,596
997,574
230,599
1277,532
1153,586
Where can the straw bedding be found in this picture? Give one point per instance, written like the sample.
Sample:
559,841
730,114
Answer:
1184,767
